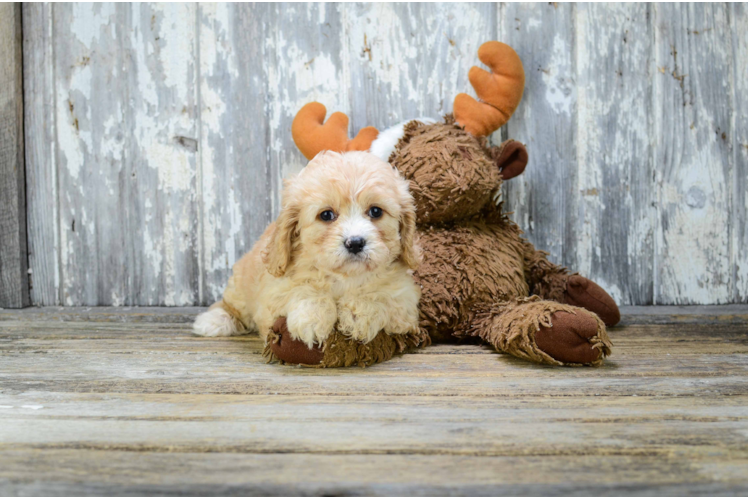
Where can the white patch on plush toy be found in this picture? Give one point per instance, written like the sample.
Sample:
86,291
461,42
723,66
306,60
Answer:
384,145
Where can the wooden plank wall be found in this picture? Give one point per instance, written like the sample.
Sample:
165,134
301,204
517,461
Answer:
157,135
14,278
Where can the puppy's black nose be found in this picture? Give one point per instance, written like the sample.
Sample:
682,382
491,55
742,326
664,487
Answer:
355,244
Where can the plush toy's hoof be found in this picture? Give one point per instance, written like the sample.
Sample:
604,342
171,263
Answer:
582,292
571,338
292,351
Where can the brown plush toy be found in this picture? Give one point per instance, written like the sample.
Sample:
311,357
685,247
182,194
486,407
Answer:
480,278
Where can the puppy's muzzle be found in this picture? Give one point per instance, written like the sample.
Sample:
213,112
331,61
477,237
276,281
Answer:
355,244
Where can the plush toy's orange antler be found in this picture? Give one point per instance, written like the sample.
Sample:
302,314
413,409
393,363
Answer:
499,91
311,136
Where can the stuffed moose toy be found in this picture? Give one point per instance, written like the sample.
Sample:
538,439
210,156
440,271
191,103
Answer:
479,277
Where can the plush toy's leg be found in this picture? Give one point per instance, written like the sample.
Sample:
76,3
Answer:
583,292
553,282
338,350
282,347
544,332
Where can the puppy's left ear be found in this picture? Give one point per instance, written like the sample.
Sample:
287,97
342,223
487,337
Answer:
411,252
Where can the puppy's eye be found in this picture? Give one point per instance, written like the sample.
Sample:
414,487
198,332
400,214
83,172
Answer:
327,215
375,212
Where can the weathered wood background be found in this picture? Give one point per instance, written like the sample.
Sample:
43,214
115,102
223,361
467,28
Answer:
14,277
157,135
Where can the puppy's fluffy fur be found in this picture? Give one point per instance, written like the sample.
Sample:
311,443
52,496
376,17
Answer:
301,269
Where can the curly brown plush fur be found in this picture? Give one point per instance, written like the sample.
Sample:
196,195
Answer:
443,162
339,350
479,277
478,271
512,328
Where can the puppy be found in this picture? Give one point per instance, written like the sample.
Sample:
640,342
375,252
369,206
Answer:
341,253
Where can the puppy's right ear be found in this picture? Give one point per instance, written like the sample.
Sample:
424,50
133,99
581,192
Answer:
277,255
411,252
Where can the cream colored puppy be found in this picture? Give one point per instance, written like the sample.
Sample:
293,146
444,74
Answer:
340,253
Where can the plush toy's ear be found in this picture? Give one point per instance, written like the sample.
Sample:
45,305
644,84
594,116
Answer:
511,158
312,135
499,91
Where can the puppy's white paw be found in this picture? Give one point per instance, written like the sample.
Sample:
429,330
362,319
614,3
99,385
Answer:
402,320
361,321
216,323
311,321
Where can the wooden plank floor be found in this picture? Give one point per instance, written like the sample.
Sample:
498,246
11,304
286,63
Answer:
127,401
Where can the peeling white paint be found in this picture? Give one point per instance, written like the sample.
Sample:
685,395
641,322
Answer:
88,22
116,300
177,33
693,250
214,40
73,139
175,167
559,92
739,124
153,252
